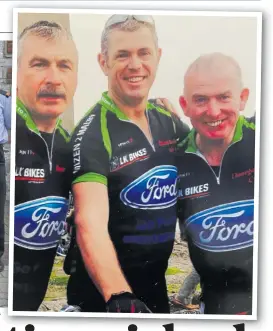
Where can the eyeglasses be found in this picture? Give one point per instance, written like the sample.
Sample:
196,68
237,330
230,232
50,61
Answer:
115,19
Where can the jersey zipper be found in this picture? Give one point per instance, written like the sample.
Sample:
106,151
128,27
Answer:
49,154
204,159
151,144
220,168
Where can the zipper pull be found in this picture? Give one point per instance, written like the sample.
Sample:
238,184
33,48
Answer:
218,180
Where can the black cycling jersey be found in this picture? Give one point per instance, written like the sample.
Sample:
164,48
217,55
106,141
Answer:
218,216
141,178
41,192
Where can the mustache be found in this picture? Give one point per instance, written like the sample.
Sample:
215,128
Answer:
51,93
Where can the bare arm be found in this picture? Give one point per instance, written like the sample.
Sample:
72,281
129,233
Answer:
91,217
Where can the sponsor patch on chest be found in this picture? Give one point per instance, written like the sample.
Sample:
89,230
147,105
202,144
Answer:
155,189
125,160
223,228
40,223
194,191
30,174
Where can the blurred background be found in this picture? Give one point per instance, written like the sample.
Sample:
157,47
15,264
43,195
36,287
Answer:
5,65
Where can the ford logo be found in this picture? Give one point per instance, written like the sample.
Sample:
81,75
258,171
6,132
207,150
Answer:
156,189
223,228
40,223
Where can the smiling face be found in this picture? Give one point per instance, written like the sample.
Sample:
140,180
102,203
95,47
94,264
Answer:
213,100
130,64
47,75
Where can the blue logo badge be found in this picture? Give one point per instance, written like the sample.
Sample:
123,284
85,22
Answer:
40,223
156,189
223,228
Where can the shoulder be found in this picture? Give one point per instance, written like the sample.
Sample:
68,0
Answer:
158,110
188,143
181,129
63,133
248,126
90,121
2,100
250,122
20,122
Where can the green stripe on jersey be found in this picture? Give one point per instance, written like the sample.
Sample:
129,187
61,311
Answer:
63,133
163,111
105,132
91,177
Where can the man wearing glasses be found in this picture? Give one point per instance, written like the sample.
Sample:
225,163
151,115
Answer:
124,180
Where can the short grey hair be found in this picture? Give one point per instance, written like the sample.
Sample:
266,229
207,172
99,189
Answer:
130,25
43,29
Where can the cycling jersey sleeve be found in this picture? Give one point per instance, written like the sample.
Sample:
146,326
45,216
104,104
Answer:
90,157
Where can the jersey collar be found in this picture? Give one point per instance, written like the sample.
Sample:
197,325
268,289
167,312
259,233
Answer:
109,104
190,141
22,111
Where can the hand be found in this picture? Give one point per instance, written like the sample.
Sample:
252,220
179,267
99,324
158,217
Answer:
126,302
168,105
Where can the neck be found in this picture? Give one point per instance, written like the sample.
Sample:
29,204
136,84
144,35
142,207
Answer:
213,150
133,109
45,124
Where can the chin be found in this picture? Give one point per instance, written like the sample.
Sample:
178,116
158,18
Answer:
51,112
134,99
216,136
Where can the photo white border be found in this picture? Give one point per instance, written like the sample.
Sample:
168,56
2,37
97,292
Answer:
6,36
216,13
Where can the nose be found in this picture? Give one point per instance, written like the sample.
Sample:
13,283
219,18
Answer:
213,107
53,76
134,62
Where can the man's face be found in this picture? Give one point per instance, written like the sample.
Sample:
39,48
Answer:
47,75
131,64
213,101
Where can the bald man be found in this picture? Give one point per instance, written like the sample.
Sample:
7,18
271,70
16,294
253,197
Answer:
216,183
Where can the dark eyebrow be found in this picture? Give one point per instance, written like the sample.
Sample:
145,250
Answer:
122,51
66,61
195,96
128,51
38,59
46,61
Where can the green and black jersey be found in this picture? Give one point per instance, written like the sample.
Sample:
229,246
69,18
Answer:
141,177
41,202
216,207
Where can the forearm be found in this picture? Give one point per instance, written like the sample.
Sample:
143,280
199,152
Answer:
100,258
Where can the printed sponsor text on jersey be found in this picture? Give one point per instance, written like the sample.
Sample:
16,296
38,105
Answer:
223,228
40,222
155,189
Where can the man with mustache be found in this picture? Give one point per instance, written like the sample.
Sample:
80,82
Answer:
124,180
216,183
5,126
46,83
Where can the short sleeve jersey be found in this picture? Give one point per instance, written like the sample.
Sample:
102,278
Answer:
141,176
